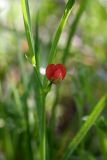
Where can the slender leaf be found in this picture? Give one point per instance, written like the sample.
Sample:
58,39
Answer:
36,38
59,30
33,55
84,130
102,135
27,23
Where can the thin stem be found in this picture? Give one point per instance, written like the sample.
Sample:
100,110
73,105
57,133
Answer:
38,79
59,30
36,41
43,130
40,101
33,56
102,137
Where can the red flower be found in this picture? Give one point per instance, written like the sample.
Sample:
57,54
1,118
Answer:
55,72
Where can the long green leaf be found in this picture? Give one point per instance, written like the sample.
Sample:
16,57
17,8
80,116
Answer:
59,30
27,23
84,130
33,57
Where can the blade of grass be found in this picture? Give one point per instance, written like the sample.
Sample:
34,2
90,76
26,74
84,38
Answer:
102,136
27,23
59,30
73,28
36,45
43,130
36,38
84,130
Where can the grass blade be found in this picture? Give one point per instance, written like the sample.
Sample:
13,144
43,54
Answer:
84,130
27,23
59,30
102,135
33,57
36,39
73,28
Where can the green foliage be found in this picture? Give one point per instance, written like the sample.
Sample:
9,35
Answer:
27,22
50,122
88,124
59,30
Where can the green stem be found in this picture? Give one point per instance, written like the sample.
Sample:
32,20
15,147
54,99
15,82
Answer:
84,130
36,41
102,137
43,130
28,30
59,30
40,101
38,78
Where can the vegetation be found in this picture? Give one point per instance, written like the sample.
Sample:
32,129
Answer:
58,115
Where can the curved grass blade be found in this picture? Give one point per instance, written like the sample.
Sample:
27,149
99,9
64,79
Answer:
27,23
84,130
73,28
59,30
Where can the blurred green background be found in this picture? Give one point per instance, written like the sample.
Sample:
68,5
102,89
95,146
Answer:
84,85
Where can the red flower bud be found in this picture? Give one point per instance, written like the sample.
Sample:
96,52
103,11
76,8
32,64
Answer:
55,72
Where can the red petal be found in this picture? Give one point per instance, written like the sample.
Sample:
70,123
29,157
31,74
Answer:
50,71
58,75
62,69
